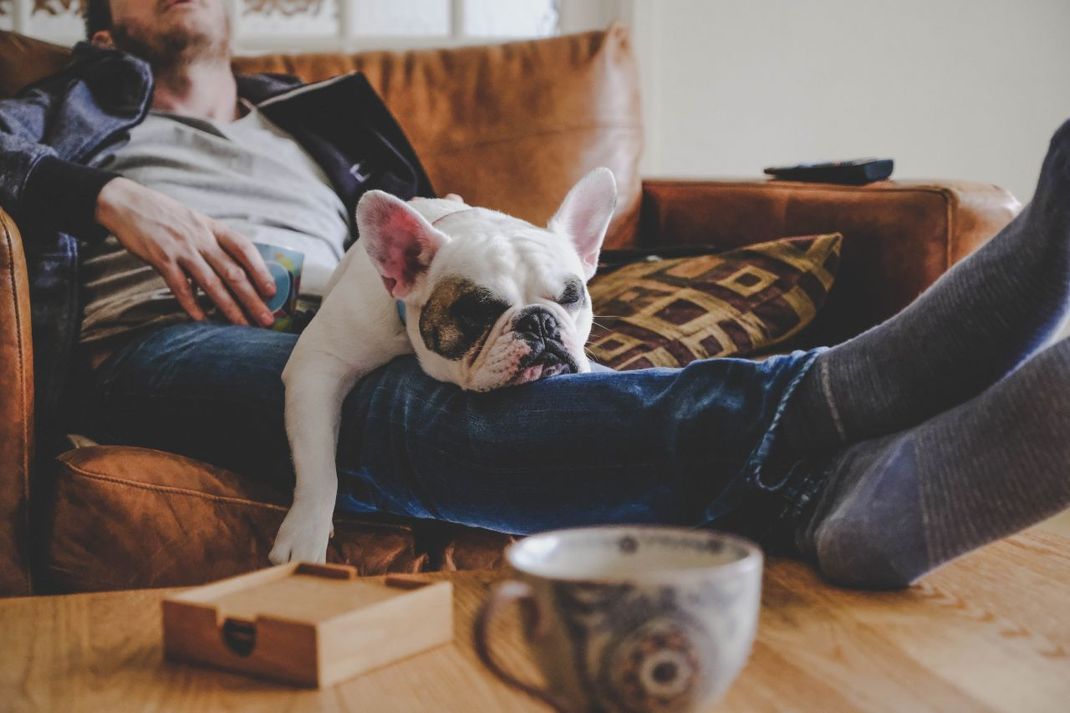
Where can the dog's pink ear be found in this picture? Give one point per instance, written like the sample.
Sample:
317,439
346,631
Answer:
585,214
399,241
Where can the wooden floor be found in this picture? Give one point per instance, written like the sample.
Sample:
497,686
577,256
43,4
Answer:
990,632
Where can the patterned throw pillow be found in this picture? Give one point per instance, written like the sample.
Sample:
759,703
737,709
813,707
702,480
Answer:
668,312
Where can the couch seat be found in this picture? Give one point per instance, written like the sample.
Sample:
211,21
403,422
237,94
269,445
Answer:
124,517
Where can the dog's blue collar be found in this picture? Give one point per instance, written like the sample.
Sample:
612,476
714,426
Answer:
401,310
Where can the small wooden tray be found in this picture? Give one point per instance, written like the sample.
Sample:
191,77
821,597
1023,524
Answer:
312,625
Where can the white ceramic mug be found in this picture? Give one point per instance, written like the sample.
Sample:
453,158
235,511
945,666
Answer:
631,618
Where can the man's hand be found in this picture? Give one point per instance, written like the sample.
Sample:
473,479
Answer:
184,246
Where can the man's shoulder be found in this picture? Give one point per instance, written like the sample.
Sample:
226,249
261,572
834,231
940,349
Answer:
39,66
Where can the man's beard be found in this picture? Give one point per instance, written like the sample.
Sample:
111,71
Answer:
174,48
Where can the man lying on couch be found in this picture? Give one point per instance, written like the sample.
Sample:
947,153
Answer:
877,460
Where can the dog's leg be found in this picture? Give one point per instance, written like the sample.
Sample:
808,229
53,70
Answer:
316,384
355,331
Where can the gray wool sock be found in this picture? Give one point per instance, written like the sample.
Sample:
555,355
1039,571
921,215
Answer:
970,328
896,507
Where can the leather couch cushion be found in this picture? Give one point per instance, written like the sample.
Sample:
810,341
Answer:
124,517
24,60
128,517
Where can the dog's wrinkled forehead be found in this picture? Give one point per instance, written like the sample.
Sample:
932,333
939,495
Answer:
458,316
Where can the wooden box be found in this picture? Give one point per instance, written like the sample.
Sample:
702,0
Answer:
312,625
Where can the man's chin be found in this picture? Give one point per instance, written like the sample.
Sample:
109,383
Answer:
183,38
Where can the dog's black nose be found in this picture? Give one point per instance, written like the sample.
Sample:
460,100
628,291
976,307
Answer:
538,323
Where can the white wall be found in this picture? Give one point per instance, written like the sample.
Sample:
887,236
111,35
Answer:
948,88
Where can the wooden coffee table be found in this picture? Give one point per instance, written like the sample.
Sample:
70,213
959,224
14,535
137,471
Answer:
991,632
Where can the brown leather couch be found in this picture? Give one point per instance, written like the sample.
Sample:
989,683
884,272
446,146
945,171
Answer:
509,126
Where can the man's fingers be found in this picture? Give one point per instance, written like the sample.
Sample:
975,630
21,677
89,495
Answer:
240,248
209,281
180,288
235,278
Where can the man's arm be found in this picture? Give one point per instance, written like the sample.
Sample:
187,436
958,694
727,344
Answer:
44,194
41,191
187,247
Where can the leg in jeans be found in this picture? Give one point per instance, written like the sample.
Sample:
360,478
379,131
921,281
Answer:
658,445
673,446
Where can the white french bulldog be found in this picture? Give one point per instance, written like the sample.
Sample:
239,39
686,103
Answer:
483,299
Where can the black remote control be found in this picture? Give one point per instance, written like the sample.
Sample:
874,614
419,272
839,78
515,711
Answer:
855,173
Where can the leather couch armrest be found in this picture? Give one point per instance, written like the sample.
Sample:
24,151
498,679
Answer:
16,412
899,236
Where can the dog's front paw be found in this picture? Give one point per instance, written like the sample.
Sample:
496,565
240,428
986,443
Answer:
303,534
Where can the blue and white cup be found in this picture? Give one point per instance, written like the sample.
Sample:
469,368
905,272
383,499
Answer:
285,266
633,619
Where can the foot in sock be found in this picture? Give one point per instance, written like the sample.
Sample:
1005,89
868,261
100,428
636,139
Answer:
970,328
897,507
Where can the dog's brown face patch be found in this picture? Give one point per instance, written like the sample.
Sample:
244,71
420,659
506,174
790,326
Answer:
458,317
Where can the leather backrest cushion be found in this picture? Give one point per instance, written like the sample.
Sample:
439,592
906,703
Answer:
510,126
24,60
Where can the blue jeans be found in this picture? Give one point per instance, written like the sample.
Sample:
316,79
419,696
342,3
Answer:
693,446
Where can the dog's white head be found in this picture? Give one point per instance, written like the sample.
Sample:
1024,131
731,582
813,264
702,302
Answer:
491,300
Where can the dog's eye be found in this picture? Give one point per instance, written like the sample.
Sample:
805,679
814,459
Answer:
572,294
468,321
477,310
